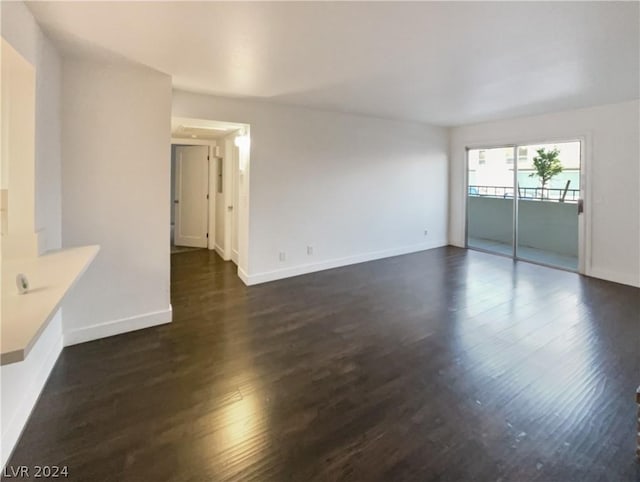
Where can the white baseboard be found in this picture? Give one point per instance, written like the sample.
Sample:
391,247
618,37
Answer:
267,276
242,274
117,327
605,274
220,251
616,277
25,380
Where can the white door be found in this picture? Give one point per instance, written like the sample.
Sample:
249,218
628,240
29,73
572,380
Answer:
192,191
235,192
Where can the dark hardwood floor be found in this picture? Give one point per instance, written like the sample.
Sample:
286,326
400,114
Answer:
445,365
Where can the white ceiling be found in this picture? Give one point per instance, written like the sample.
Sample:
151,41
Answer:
444,63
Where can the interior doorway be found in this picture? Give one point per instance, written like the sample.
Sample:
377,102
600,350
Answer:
525,201
191,196
209,187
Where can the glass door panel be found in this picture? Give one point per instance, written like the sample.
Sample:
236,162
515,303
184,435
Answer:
548,183
490,199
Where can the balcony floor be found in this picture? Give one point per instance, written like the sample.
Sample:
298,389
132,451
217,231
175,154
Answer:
528,254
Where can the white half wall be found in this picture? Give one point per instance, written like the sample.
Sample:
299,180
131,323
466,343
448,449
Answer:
116,144
612,134
21,383
351,187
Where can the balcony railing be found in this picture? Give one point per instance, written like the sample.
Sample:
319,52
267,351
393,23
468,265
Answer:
532,193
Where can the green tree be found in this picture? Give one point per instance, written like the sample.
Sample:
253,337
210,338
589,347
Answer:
547,166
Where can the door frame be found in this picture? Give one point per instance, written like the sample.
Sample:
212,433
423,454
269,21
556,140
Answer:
584,220
235,202
244,211
213,167
230,156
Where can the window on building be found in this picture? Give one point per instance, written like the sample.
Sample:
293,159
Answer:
509,156
522,154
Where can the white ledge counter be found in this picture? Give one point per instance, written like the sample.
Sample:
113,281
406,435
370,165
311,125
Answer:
25,316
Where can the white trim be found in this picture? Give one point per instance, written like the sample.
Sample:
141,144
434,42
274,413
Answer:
586,189
116,327
12,429
253,279
244,277
227,160
212,172
243,208
616,277
212,167
220,250
236,180
195,142
209,207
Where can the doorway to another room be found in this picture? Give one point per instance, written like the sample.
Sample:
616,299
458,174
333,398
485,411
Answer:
190,195
209,187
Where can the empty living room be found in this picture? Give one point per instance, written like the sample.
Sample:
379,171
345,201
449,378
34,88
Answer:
320,240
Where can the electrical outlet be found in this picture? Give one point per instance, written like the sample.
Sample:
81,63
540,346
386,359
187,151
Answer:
426,232
309,250
282,256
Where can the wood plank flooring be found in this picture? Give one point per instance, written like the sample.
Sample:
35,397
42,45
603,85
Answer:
445,365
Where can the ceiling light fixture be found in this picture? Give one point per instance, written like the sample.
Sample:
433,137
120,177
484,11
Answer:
242,141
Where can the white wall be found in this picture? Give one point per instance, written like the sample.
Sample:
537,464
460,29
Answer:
48,149
613,170
116,136
21,383
353,187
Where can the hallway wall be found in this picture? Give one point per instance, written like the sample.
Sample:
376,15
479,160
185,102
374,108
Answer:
352,187
116,187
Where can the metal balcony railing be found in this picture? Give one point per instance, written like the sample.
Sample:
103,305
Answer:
532,193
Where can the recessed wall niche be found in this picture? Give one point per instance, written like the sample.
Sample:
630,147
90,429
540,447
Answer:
17,174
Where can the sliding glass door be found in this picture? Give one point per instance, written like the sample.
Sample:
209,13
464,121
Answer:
543,226
490,200
548,197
